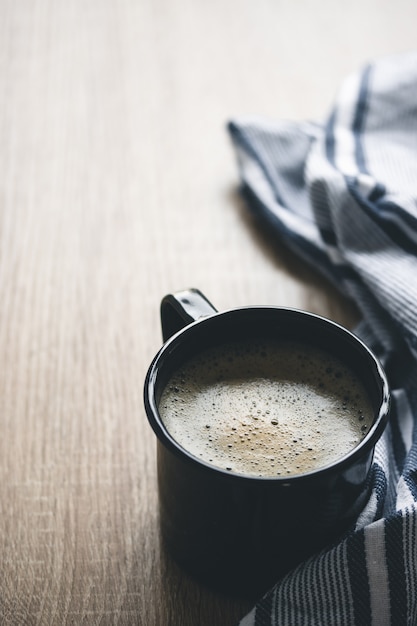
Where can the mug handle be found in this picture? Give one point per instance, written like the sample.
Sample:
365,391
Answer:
181,308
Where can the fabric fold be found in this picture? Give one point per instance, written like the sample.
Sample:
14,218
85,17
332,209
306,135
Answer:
342,194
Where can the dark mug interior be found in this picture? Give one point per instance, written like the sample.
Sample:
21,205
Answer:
240,533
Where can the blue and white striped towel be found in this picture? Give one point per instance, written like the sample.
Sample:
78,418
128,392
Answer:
343,195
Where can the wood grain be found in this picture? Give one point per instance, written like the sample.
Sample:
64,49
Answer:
117,185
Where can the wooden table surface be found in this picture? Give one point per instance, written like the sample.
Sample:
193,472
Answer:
118,185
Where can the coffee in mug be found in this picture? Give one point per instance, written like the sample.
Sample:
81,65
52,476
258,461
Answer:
236,399
266,408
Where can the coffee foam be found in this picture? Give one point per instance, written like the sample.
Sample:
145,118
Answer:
266,409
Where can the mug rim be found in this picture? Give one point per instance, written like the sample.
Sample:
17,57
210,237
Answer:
165,438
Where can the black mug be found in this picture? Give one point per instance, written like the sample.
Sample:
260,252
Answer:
240,533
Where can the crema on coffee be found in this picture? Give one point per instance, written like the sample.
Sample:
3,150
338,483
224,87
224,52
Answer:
263,408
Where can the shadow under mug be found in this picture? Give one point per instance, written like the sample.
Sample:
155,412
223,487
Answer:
240,533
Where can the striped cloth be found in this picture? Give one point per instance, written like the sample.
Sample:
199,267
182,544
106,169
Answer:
343,195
